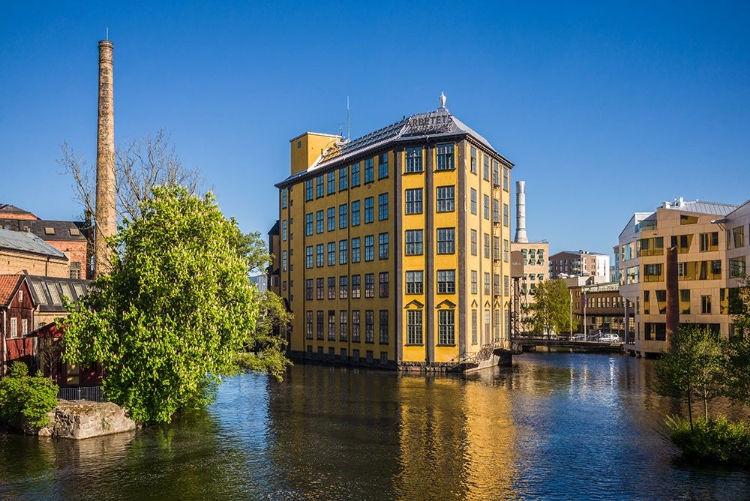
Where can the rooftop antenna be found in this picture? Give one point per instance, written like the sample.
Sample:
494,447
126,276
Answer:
348,120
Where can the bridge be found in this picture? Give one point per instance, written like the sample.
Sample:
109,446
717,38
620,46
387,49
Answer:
525,345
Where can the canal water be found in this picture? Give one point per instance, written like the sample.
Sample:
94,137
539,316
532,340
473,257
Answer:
554,426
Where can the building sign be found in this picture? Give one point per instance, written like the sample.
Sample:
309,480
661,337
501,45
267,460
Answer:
437,122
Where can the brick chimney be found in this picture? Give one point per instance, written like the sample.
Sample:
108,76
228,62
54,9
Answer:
105,218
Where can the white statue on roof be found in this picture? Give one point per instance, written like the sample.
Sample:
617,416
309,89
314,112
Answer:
442,100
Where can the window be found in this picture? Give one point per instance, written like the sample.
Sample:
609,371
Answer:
355,174
308,224
319,222
473,160
331,253
331,325
343,325
283,230
369,326
446,241
331,287
506,178
356,281
414,327
369,285
308,324
446,327
343,251
75,270
331,218
414,159
414,282
332,182
506,251
495,211
319,335
709,241
343,178
486,207
308,190
473,281
355,250
414,201
319,284
495,173
319,186
473,201
342,216
486,283
355,213
308,257
506,215
343,287
370,248
706,305
738,237
445,199
319,255
486,173
283,198
445,157
383,327
506,280
369,170
309,289
413,242
369,209
383,246
382,165
496,284
496,248
13,327
383,285
383,207
474,319
283,260
355,326
473,242
685,301
487,245
737,267
446,280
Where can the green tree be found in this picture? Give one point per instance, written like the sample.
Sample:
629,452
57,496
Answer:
551,307
738,347
696,368
26,399
177,307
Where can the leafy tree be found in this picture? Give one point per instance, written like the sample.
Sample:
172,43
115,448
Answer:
26,399
176,308
738,347
696,368
551,307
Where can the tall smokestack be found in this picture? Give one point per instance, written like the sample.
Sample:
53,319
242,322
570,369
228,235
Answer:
521,237
105,218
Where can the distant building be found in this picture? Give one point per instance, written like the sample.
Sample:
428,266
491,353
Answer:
712,251
261,282
568,264
601,308
22,251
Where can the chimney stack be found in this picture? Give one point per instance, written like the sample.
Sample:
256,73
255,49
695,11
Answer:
105,218
521,237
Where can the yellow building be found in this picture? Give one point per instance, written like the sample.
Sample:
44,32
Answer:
394,248
702,233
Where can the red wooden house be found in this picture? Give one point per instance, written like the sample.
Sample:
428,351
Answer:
50,361
16,319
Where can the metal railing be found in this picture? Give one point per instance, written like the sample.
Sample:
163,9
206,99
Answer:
92,393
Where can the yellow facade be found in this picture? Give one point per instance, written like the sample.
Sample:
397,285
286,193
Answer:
376,258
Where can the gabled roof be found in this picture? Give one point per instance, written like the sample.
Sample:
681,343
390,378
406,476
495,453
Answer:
13,212
25,241
434,125
9,284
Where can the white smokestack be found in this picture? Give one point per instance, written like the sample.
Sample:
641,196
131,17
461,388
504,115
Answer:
521,237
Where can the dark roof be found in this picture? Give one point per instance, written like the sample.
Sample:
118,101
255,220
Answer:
8,210
25,241
48,291
48,230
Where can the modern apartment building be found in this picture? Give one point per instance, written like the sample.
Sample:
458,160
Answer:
580,264
394,248
710,239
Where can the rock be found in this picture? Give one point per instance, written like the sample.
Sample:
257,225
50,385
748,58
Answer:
79,419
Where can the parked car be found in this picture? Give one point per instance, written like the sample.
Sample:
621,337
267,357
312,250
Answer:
579,337
609,338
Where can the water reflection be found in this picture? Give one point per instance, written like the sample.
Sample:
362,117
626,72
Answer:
551,427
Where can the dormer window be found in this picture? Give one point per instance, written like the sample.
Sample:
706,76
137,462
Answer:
49,230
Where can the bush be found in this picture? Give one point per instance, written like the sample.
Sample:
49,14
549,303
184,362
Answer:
712,439
26,399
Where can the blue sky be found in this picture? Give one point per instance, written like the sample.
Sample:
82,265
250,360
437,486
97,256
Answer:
605,108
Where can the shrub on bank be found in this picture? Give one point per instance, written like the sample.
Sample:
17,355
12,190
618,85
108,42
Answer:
26,399
716,439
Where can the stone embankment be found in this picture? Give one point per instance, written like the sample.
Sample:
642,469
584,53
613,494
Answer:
79,419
